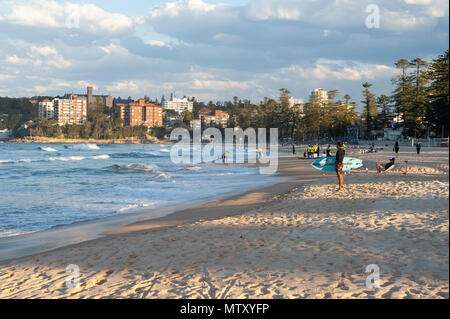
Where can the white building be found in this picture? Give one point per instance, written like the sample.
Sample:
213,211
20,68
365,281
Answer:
178,105
46,109
296,102
321,96
70,111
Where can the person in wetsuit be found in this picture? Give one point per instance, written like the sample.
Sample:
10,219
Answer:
339,165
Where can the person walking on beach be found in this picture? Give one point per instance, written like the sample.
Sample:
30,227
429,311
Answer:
339,164
396,147
293,149
418,147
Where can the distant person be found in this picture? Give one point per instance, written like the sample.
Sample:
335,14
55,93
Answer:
260,153
396,147
329,151
293,149
384,167
224,157
339,165
318,151
418,147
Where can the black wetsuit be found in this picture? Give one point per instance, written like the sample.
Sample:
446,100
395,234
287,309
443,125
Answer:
339,159
396,147
388,165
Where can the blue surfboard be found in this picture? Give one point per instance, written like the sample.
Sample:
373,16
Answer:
328,163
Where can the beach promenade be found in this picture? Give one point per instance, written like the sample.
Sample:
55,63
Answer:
297,239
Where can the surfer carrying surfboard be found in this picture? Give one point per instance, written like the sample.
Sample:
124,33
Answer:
339,164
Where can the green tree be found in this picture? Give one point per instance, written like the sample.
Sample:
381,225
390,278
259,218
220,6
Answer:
370,110
385,114
438,92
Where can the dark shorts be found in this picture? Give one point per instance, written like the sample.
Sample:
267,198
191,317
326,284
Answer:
338,168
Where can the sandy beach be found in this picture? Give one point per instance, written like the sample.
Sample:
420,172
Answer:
296,239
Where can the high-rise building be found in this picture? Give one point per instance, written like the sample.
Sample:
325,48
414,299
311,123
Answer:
141,113
178,105
296,102
70,111
46,109
321,96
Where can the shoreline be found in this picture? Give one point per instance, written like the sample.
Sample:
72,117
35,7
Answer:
24,245
51,140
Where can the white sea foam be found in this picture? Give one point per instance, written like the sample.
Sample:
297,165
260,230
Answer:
104,156
65,159
129,207
84,147
48,149
191,168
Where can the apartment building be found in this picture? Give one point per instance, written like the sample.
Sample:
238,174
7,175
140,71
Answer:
320,96
218,118
296,102
46,109
70,111
141,113
178,105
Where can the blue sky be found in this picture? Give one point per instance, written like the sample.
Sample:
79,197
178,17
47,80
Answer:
211,49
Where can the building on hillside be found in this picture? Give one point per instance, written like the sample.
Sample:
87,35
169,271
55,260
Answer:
178,105
218,118
93,101
320,96
141,113
70,111
46,109
204,111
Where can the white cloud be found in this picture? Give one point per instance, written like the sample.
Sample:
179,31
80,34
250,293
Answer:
6,77
419,2
218,85
126,86
268,10
14,59
326,70
403,21
173,9
156,43
45,50
87,17
438,9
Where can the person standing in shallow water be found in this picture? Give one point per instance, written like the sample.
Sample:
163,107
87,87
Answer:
339,164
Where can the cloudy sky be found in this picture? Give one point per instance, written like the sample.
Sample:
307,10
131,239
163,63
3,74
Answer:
212,49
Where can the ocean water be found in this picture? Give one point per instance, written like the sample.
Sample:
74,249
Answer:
43,185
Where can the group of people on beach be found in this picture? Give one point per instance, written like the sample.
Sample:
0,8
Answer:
312,151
